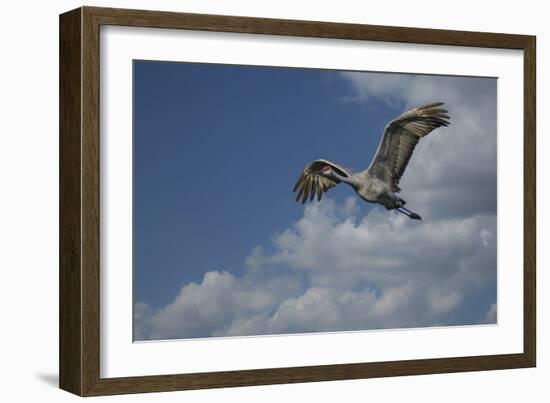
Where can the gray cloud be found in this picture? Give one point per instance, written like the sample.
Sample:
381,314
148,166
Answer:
336,270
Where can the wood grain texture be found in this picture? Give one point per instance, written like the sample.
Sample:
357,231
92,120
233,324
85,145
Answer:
70,313
108,386
316,29
530,202
90,202
80,195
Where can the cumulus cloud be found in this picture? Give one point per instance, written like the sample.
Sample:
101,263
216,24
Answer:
205,309
453,171
336,270
346,273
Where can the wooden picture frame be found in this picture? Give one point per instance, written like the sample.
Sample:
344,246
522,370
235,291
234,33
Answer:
79,278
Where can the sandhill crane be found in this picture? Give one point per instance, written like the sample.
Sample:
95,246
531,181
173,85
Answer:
379,183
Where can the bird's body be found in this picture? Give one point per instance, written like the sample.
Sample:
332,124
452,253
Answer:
374,190
379,183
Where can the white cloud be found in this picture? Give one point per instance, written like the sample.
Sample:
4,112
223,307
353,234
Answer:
203,309
347,273
485,236
334,269
453,170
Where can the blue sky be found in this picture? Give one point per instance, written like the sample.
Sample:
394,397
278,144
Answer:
217,150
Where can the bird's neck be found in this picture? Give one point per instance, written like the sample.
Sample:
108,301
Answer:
348,180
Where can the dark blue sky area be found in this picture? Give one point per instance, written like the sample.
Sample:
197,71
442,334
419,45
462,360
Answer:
217,150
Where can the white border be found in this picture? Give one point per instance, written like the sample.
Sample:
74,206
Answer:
120,357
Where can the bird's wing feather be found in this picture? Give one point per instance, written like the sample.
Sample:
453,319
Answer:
400,138
310,183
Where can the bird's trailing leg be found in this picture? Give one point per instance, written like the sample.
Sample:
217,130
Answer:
403,210
408,213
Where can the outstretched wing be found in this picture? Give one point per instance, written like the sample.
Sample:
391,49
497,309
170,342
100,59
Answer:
400,138
311,183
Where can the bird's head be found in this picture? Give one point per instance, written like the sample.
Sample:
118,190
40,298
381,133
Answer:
327,170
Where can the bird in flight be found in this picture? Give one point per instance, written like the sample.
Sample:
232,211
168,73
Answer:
379,183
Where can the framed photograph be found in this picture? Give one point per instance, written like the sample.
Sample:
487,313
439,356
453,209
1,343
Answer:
248,201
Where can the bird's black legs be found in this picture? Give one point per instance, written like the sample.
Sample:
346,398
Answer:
407,210
408,213
400,206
